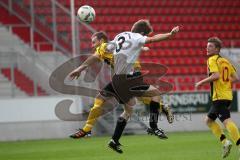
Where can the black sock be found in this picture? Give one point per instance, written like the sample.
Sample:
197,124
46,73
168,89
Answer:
154,112
222,137
121,124
238,142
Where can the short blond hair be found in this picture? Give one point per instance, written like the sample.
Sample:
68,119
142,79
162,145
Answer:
216,41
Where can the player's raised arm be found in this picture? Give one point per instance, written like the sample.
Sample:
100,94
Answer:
98,39
89,61
161,37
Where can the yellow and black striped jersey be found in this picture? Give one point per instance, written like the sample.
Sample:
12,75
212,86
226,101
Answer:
221,89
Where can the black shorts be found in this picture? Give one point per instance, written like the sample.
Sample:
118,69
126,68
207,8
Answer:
220,109
119,87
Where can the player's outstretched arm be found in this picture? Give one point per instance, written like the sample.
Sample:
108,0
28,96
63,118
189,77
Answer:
89,61
161,37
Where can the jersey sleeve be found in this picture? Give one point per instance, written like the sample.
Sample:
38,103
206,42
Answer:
212,65
100,51
142,40
232,69
111,46
97,51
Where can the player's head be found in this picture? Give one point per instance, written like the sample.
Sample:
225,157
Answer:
214,46
98,38
142,26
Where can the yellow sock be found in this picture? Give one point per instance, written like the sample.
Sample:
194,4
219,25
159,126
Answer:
233,131
161,105
94,113
217,131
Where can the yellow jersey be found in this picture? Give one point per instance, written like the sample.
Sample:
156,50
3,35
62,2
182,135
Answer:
104,55
221,89
107,57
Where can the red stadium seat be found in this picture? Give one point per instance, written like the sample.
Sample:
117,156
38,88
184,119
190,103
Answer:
23,82
185,54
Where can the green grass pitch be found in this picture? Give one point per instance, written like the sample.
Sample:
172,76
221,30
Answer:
179,146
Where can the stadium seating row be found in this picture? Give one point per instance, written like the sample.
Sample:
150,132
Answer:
184,55
23,82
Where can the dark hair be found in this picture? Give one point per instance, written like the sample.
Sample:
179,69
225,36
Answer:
142,26
216,41
101,35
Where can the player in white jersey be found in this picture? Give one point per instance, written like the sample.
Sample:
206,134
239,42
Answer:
126,49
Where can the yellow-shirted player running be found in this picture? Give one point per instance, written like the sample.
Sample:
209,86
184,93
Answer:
99,43
221,76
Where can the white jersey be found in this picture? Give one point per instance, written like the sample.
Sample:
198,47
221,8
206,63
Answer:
127,47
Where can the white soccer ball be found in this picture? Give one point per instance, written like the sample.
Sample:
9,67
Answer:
86,14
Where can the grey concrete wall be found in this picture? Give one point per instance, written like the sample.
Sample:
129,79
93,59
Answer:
59,129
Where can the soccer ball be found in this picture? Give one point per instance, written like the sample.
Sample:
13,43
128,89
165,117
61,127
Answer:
86,14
